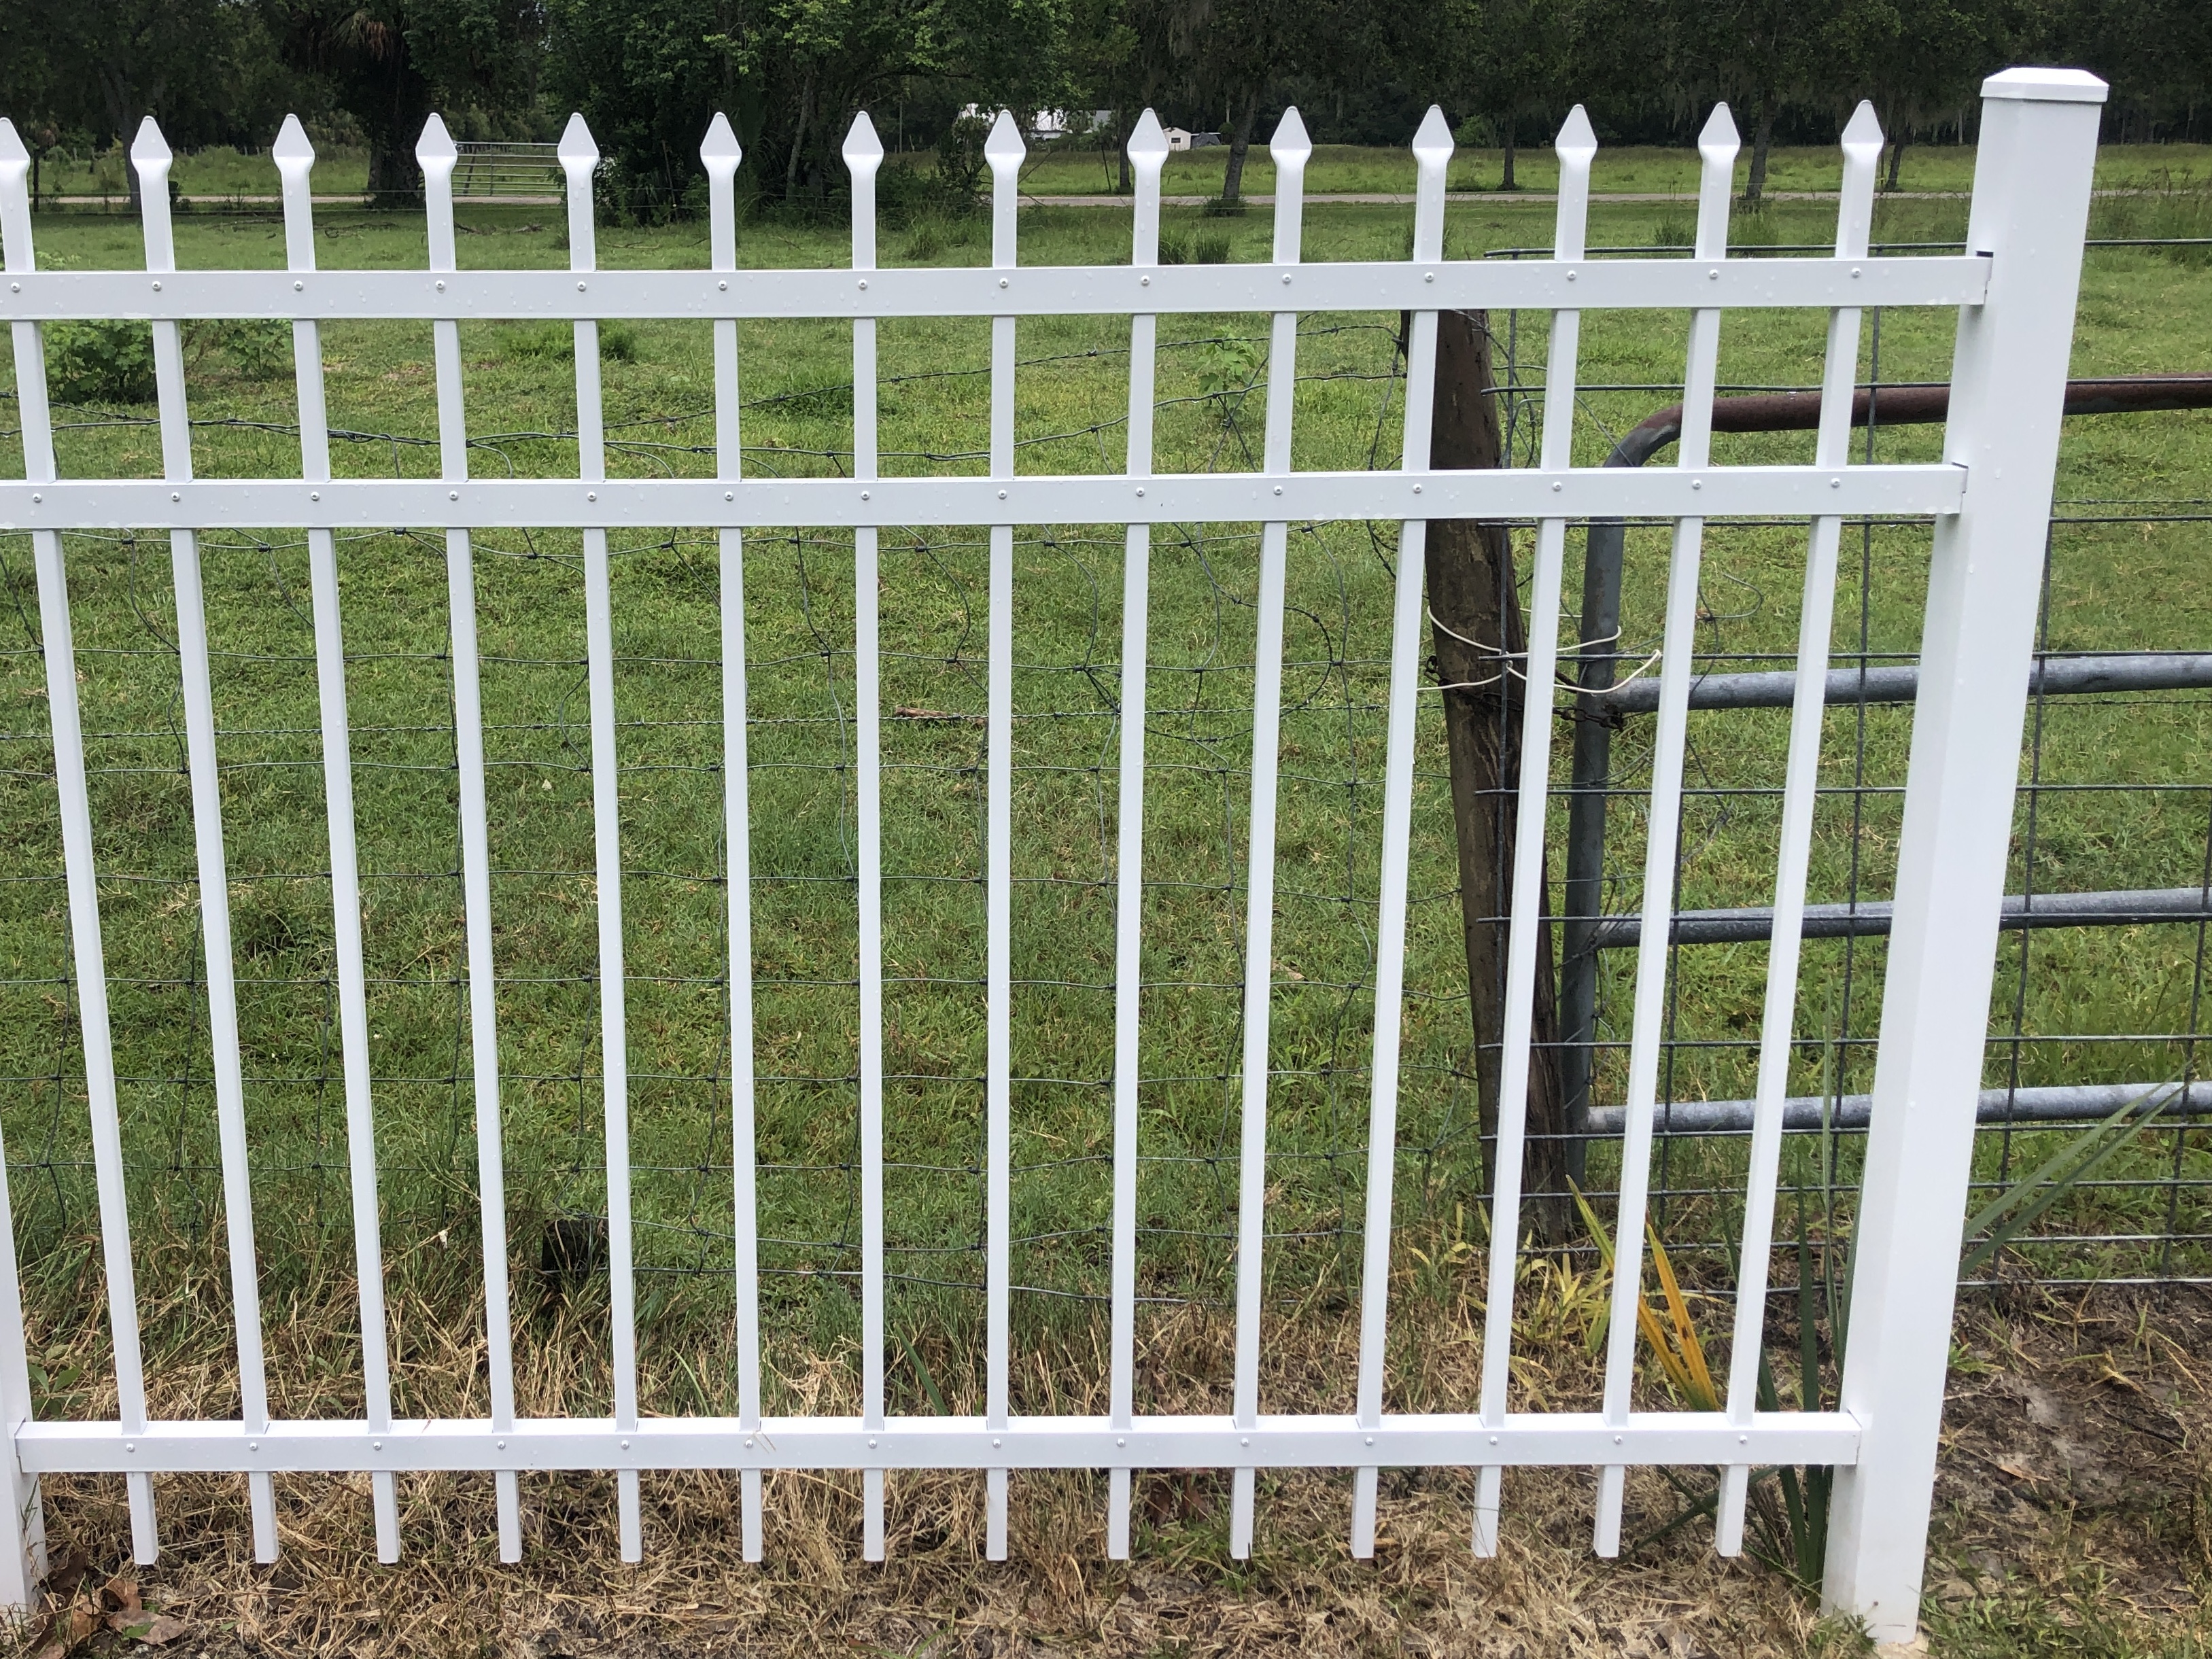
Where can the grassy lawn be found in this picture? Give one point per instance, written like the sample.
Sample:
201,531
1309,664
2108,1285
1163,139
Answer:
1076,168
2131,814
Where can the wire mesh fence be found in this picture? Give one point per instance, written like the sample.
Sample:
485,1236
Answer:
799,605
2115,796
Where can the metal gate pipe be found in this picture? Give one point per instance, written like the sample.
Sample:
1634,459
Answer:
1599,705
1872,921
2065,1103
2056,677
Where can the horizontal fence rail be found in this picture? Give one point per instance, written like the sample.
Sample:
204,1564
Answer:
2052,677
1873,918
2071,1102
2013,291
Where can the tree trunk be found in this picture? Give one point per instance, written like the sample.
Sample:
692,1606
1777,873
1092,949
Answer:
1240,145
1762,141
1896,158
1474,603
393,180
798,138
124,109
1505,180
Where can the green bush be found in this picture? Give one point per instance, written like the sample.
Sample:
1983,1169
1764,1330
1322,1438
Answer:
114,362
101,362
1476,132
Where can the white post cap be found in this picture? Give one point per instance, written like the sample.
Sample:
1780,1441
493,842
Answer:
2047,86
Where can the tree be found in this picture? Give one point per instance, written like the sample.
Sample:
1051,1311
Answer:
390,63
200,68
1759,55
1918,60
2156,53
1109,69
648,75
1230,53
1517,65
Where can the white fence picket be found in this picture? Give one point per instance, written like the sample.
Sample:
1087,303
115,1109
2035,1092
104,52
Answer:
1432,150
1290,149
151,156
1717,148
1148,153
1003,150
435,155
579,160
1800,792
1577,148
864,154
721,154
23,1560
2031,195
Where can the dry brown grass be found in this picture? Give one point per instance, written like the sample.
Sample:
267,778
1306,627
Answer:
2076,1444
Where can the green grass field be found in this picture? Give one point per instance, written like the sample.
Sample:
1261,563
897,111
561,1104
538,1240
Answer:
1078,168
2112,586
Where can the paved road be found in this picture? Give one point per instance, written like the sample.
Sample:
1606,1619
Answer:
1497,199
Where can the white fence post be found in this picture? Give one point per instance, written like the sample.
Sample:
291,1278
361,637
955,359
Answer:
22,1515
2032,180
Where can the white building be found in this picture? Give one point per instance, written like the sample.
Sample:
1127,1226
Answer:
1053,123
1177,138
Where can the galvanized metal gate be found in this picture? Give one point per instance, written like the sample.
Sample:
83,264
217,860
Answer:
2014,288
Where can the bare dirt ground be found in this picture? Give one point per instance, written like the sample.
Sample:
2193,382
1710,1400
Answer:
2073,1516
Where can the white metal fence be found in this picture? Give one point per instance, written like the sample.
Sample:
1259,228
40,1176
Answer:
2015,289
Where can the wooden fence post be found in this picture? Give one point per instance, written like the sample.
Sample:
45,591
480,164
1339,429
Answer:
1474,613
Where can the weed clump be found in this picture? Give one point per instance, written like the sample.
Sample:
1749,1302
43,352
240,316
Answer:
1204,247
617,343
